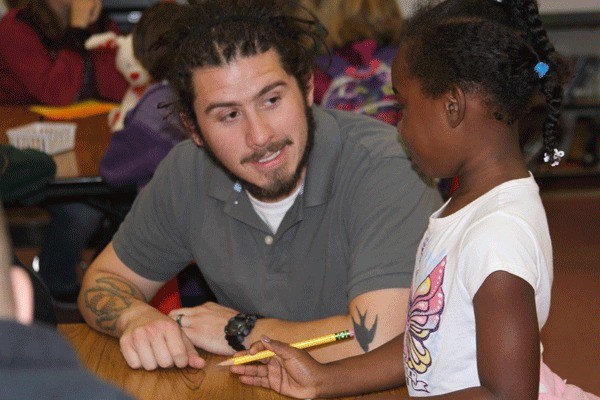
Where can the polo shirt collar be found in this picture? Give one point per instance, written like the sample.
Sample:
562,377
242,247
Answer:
322,162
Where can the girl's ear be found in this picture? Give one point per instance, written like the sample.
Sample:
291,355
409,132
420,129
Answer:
192,129
455,106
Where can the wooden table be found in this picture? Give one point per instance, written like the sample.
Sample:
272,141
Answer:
77,175
91,141
101,354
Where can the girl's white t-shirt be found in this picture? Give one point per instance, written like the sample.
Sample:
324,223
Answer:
503,230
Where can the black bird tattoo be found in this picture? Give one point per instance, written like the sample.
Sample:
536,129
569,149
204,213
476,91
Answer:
363,335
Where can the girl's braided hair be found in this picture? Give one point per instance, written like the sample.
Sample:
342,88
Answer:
489,47
213,33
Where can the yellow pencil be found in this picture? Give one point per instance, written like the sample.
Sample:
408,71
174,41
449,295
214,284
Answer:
300,345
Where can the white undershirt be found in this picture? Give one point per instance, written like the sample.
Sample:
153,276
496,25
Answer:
272,213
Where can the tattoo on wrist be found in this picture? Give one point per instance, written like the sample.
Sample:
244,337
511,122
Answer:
108,299
363,335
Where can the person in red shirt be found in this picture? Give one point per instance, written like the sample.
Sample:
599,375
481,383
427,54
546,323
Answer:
43,59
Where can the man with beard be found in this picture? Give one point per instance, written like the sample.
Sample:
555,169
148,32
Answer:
303,221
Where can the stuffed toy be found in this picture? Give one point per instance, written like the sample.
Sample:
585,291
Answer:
137,76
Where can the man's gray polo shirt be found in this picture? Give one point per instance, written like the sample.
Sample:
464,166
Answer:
354,229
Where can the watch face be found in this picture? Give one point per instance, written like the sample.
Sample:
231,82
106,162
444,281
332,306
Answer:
235,326
238,328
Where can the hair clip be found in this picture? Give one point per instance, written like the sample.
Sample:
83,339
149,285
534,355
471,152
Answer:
556,157
541,68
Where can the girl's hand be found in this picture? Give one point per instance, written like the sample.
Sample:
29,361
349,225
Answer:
291,372
85,12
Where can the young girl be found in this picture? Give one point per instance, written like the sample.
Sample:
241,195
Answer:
465,73
149,131
44,61
358,33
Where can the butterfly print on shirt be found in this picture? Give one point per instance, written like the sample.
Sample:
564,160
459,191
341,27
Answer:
424,313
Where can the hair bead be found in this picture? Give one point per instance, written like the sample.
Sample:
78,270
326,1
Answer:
541,68
556,157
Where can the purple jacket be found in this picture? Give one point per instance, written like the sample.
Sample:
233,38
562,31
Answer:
149,133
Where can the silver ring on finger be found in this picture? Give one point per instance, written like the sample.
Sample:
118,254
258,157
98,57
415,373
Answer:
179,320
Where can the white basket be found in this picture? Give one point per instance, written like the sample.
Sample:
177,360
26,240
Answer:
49,137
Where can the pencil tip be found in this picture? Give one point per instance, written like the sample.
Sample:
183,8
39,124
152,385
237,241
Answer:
225,363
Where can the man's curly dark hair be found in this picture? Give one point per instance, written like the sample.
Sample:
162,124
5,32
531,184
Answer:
213,33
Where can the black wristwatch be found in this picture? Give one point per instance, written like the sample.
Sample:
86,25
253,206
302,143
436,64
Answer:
238,328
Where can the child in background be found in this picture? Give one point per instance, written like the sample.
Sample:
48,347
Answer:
150,130
363,36
483,274
43,61
360,33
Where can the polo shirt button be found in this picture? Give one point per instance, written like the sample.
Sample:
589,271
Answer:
268,240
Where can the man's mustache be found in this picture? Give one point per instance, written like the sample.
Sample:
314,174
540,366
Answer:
270,148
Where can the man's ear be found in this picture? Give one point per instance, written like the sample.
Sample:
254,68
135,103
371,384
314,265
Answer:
192,129
310,90
455,105
22,289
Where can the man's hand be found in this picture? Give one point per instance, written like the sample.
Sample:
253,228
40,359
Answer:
291,372
205,326
150,339
114,300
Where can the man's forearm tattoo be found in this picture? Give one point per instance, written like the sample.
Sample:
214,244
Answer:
363,335
108,299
